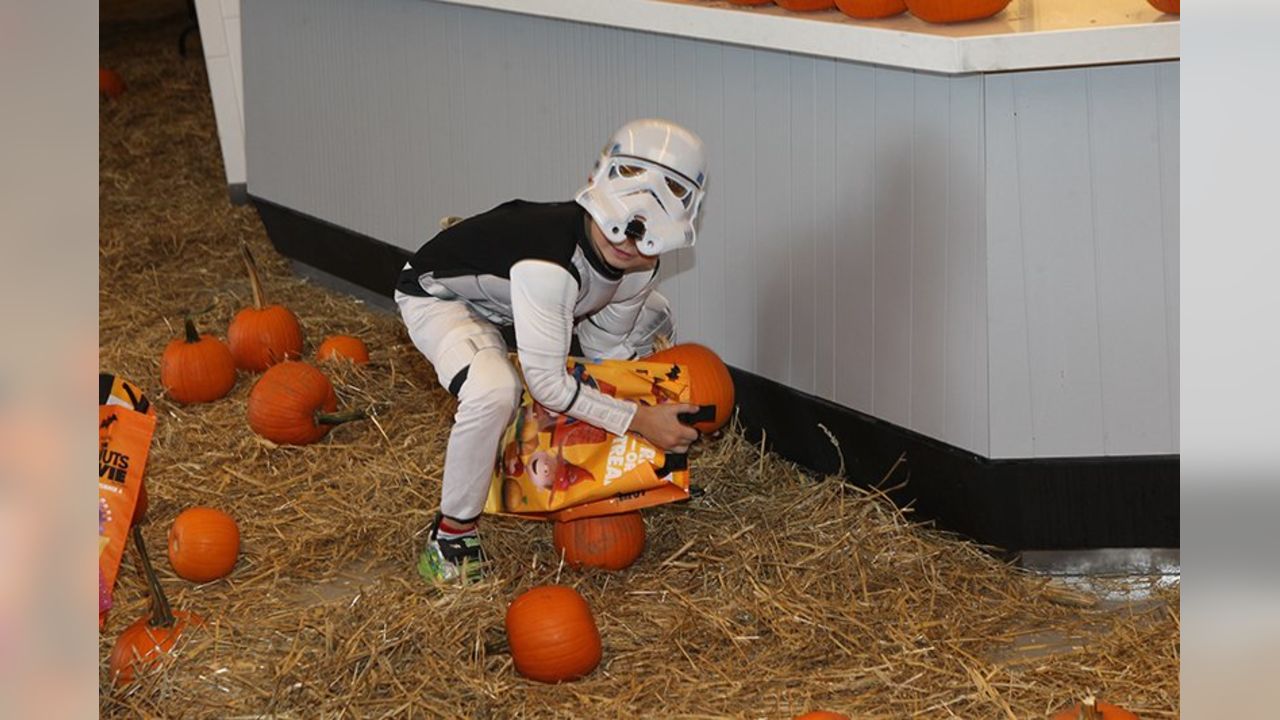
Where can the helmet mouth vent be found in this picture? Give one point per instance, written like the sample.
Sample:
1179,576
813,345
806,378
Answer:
635,229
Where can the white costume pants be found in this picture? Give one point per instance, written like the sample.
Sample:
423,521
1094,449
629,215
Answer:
470,360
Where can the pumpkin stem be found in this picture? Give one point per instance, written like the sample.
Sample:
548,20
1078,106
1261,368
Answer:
254,282
192,335
162,615
339,417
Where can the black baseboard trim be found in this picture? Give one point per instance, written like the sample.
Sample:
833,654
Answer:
368,262
1021,504
1031,504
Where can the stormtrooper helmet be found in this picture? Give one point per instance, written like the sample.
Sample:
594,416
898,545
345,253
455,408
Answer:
648,185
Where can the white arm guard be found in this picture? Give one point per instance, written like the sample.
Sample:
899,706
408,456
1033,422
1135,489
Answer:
542,299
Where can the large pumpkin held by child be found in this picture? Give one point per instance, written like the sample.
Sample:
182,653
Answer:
710,382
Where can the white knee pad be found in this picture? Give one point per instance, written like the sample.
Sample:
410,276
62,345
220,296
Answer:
491,390
449,334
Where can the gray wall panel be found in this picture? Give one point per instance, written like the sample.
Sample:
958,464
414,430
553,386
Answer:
894,147
929,237
1130,264
1167,96
868,232
801,195
827,230
1012,433
1060,260
773,235
854,261
1079,262
965,321
735,191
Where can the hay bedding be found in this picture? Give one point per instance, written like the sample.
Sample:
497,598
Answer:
772,595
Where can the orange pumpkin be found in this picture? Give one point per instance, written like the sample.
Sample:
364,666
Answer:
143,644
1166,6
1094,709
821,715
710,382
552,634
110,84
262,336
750,2
951,11
871,9
154,635
343,346
197,368
204,543
294,404
805,5
611,542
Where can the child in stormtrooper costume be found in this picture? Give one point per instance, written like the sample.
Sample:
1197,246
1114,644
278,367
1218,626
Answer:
551,270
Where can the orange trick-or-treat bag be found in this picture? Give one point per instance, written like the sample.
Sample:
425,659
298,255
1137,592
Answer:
551,466
126,422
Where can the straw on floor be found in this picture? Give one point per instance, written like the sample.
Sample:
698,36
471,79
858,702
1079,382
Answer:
772,595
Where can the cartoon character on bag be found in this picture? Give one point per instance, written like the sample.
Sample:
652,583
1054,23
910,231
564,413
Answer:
555,474
546,468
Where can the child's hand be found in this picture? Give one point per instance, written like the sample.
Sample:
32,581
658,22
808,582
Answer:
660,425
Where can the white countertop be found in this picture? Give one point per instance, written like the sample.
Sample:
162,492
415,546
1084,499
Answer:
1027,34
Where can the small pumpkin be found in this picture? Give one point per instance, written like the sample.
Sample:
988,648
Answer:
110,84
552,634
750,2
1093,709
294,404
611,542
1166,6
262,335
805,5
155,634
145,642
953,11
871,9
204,544
710,381
821,715
343,346
197,368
